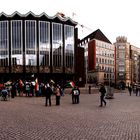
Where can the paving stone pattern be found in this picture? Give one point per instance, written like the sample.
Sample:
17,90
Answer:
27,118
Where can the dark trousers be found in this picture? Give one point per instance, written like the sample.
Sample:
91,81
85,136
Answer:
102,100
73,99
76,99
48,98
57,100
13,94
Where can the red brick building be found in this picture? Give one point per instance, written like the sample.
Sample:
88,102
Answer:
99,58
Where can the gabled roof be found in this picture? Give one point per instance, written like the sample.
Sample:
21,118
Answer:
3,16
97,35
15,13
31,14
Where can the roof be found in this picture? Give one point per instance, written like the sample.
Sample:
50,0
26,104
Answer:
97,35
58,16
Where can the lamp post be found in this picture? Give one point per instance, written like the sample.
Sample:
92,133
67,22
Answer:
86,70
86,63
109,94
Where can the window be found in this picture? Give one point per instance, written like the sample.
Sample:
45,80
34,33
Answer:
122,55
96,60
30,42
30,62
121,69
121,63
102,60
121,47
69,47
57,46
4,46
16,42
44,43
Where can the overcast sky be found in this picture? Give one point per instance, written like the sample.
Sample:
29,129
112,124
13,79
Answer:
113,17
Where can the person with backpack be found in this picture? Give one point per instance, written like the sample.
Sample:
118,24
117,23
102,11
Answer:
75,95
102,90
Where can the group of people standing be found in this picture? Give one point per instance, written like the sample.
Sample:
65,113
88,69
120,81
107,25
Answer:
133,89
58,92
50,89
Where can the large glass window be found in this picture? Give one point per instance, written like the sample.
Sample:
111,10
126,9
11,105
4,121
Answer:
69,48
121,69
16,43
121,63
44,43
4,46
121,54
30,43
57,47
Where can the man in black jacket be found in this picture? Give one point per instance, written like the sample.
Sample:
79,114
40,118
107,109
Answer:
48,94
102,90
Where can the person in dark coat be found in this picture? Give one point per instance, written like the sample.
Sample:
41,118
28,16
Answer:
75,95
89,89
130,90
137,90
102,90
13,90
48,94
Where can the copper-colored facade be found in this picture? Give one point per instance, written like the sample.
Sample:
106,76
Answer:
99,58
92,55
127,62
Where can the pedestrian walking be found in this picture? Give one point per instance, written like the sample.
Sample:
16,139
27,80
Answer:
130,90
102,90
137,90
48,94
89,89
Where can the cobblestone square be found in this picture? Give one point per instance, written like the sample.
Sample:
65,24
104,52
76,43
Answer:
27,118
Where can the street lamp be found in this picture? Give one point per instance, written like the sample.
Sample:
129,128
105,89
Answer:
86,69
86,63
109,94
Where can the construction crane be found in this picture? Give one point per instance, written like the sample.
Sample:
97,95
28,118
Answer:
85,27
81,25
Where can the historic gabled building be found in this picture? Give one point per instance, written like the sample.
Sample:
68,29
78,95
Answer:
99,58
37,44
127,62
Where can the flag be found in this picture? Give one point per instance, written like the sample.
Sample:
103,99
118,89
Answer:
71,84
51,81
21,83
36,85
60,14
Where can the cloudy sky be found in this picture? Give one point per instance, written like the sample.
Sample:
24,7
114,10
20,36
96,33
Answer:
113,17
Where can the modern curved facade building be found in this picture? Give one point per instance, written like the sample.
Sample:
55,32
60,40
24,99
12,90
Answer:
37,44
